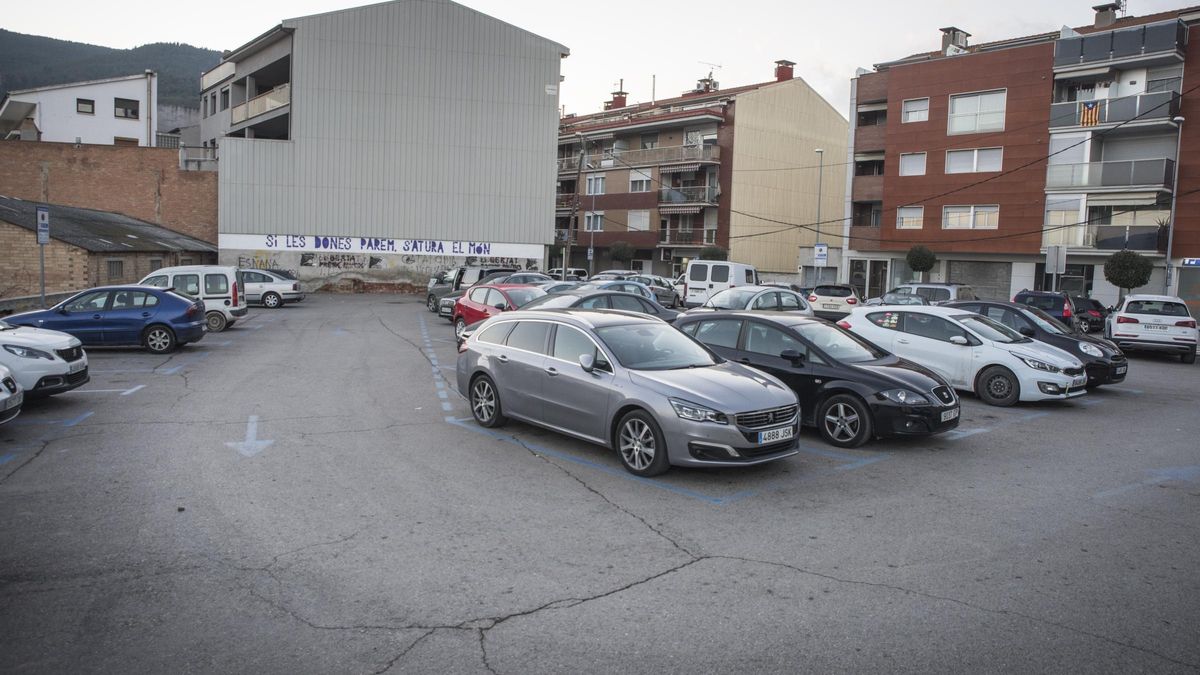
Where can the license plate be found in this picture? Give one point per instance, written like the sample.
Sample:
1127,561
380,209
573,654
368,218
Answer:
827,305
1079,381
14,400
950,415
780,434
1155,326
1121,369
76,366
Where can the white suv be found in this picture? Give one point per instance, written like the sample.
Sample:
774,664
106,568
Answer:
11,396
1158,323
934,293
44,362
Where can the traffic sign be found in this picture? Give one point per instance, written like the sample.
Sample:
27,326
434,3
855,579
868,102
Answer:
1191,262
820,255
43,225
591,253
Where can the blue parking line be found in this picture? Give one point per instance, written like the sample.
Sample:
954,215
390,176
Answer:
76,420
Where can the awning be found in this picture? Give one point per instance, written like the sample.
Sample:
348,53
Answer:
679,168
1089,75
667,210
868,107
1123,199
868,156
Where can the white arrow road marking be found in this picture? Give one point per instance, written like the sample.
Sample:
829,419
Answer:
251,446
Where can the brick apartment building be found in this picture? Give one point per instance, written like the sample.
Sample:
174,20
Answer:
672,176
989,153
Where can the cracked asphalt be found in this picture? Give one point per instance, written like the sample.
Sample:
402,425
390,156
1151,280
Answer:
380,532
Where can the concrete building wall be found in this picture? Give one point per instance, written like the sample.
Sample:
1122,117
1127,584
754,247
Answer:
58,120
143,183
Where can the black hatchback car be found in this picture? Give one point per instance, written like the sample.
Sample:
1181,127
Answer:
1057,305
849,389
1103,360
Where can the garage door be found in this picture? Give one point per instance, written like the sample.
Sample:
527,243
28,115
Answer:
991,280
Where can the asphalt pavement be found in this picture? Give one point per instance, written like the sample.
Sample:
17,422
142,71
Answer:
306,493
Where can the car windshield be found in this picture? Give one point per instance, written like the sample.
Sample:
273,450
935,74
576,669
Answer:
654,346
1045,321
556,301
834,291
523,296
730,298
839,344
989,329
1156,308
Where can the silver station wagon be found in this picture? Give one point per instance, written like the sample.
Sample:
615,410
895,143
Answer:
629,382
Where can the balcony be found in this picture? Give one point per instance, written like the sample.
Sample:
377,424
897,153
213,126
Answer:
565,201
1147,45
262,104
675,154
1141,110
1092,237
1111,176
701,194
867,189
869,137
677,237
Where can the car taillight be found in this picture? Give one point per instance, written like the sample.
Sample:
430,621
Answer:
812,298
192,311
851,301
1127,319
296,286
1186,324
844,324
1093,312
235,294
1066,311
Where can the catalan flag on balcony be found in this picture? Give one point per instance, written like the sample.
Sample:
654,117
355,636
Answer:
1090,115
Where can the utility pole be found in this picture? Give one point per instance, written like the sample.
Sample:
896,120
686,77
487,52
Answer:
574,219
820,190
1178,119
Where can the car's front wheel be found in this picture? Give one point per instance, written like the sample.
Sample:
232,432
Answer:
431,303
485,403
159,339
216,322
272,301
845,421
998,386
640,444
1085,326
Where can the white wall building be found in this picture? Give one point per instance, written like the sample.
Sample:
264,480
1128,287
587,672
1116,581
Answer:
113,111
381,143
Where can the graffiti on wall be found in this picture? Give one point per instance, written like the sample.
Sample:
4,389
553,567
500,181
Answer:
341,261
258,262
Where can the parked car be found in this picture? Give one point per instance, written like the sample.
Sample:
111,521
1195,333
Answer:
706,277
1160,323
1090,314
973,353
898,299
482,302
610,275
834,301
456,280
1057,305
934,293
448,299
269,289
680,286
591,299
654,395
619,285
573,273
282,273
558,286
762,298
1103,360
160,320
802,290
851,390
663,289
524,278
12,396
43,362
222,289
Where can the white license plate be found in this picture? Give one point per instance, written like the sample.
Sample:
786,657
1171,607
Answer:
772,435
1079,381
14,400
76,366
827,305
950,415
1155,326
1121,369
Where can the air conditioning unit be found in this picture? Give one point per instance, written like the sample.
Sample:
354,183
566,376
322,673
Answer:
665,255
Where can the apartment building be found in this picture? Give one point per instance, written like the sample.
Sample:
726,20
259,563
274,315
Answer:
711,167
379,144
111,111
989,153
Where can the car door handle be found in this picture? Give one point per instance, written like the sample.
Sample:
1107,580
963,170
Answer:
502,358
901,341
95,316
552,371
145,314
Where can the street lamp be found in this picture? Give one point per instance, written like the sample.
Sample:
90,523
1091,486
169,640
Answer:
820,189
1178,119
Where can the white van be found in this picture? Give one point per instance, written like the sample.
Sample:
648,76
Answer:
705,277
223,290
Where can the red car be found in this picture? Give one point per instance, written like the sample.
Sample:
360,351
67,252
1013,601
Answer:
482,302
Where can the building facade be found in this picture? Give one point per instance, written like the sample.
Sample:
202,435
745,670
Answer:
988,154
113,111
725,168
383,143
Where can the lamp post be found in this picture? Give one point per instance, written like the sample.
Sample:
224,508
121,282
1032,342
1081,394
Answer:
1178,119
820,190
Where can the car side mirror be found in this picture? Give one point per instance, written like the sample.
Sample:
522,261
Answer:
587,362
959,340
796,358
500,306
1026,331
63,311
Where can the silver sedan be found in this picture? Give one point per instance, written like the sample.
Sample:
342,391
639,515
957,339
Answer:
757,298
655,395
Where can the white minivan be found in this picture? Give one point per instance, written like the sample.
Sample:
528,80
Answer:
223,290
706,277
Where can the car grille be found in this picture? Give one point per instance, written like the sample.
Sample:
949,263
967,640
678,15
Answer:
1118,357
10,385
766,418
72,354
76,378
1073,371
944,394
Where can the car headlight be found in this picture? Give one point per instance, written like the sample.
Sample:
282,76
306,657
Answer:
1090,349
697,413
904,397
27,352
1039,365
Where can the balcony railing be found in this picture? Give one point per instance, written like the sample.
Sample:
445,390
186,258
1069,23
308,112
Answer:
674,154
564,200
263,103
688,195
1159,106
1106,237
1119,174
676,237
1162,39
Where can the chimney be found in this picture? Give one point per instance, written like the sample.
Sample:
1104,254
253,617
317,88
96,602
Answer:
1106,15
954,40
783,70
619,98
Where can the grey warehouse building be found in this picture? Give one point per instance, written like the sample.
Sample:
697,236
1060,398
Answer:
379,144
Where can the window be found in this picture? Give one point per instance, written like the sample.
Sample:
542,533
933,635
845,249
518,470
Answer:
970,217
159,281
915,110
889,320
188,284
770,341
155,264
719,333
495,334
934,294
912,164
626,303
477,295
974,161
595,184
570,344
790,302
89,302
596,302
216,284
639,221
225,98
932,327
126,108
495,299
698,273
750,277
530,336
133,300
649,141
639,180
974,113
910,217
720,274
185,261
593,221
767,301
116,269
85,106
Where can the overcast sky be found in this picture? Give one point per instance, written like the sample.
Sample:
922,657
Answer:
630,39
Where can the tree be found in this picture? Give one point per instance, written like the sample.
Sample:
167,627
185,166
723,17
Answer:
920,259
713,253
1128,270
621,251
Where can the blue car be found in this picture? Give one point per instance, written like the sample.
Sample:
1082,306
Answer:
158,319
